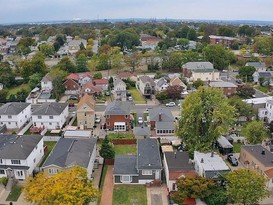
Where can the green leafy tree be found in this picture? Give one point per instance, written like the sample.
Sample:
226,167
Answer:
242,108
263,45
198,83
246,72
193,187
97,75
46,49
124,39
206,116
219,56
107,150
183,42
191,35
133,60
81,62
218,197
103,62
66,65
226,31
7,77
34,80
245,186
3,96
23,47
246,30
21,95
255,132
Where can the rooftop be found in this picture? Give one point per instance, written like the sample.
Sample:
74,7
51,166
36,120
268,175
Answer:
222,84
178,161
13,108
125,164
118,108
166,114
198,66
53,108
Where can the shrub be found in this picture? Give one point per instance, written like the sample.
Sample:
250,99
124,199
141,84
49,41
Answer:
4,181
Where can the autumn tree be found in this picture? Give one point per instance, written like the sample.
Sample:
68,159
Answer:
246,186
175,91
206,116
66,187
193,187
246,91
255,132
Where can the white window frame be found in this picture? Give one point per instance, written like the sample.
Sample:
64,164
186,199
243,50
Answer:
147,172
126,181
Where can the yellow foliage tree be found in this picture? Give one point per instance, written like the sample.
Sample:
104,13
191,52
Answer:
69,187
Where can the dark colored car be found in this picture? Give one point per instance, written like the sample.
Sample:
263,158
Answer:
232,160
71,104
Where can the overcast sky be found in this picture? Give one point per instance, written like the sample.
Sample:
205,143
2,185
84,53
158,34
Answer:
13,11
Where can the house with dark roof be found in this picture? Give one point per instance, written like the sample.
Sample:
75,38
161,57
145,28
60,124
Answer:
69,152
19,155
259,159
161,84
86,112
142,132
50,115
143,168
119,91
146,86
265,75
117,116
74,82
162,121
229,88
46,83
259,66
200,71
15,114
177,165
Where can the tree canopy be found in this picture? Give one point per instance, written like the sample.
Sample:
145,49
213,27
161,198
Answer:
255,132
65,188
246,72
107,150
206,115
7,77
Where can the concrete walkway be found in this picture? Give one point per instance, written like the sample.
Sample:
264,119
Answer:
157,195
108,187
4,194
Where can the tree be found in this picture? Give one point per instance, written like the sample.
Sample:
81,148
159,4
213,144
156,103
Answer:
175,91
7,77
198,83
46,49
24,44
58,86
124,39
246,186
97,75
226,31
206,116
219,56
263,45
66,65
246,91
34,80
21,95
242,108
193,187
246,72
133,60
66,187
3,96
183,42
255,132
246,30
107,150
81,62
163,95
218,197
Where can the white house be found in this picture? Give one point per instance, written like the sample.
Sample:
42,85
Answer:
46,83
119,89
259,66
161,84
267,112
15,114
19,155
50,115
209,165
146,85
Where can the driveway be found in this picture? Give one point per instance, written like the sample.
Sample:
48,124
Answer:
108,187
157,195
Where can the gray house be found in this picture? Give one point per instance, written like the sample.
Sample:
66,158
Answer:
146,85
259,66
69,152
119,89
145,167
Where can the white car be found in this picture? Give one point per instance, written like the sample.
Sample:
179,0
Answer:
140,120
170,104
97,120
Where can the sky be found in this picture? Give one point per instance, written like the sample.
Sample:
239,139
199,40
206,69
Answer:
16,11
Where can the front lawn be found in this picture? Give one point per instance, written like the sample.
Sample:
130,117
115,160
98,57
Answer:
137,96
120,135
50,145
14,193
263,89
125,149
237,147
129,194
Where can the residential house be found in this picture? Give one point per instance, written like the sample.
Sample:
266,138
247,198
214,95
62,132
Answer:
162,121
117,116
142,132
259,66
177,165
74,45
91,89
222,40
146,86
210,165
265,75
86,112
102,83
70,152
229,89
259,159
161,84
142,168
175,81
148,41
74,82
257,103
266,113
46,83
20,155
119,91
50,115
200,71
15,114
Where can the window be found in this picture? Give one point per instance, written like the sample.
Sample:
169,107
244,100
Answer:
107,116
15,161
39,117
1,161
9,117
34,160
147,172
126,116
53,171
126,178
108,123
2,171
50,117
50,123
85,114
20,173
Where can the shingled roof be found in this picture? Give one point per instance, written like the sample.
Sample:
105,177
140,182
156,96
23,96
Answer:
13,108
53,108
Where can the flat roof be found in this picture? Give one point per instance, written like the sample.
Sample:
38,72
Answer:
256,101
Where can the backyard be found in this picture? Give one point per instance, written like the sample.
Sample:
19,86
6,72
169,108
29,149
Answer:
120,135
50,145
15,193
129,194
125,149
237,147
137,96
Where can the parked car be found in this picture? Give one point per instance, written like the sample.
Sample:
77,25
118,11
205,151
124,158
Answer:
73,97
232,160
148,108
97,120
140,120
170,104
71,104
107,93
130,98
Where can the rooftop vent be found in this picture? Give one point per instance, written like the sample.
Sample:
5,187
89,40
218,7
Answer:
263,152
202,160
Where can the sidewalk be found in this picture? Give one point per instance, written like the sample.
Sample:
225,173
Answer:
108,187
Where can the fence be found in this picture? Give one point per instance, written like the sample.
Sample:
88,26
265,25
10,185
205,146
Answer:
123,141
52,138
109,161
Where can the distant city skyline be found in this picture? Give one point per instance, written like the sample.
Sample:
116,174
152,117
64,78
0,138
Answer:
18,11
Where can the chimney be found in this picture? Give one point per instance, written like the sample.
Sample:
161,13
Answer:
160,117
263,152
174,155
202,160
212,154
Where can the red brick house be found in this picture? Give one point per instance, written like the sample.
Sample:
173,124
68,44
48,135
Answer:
117,116
228,88
221,40
71,86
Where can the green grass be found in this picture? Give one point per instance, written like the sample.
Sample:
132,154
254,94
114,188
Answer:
50,146
15,193
237,147
120,135
125,149
263,89
75,122
128,194
137,96
14,90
